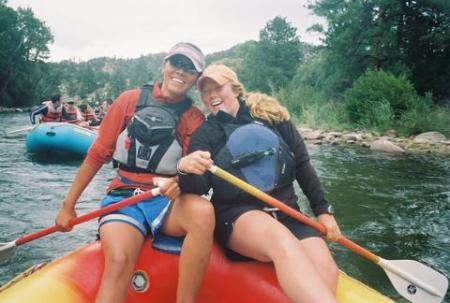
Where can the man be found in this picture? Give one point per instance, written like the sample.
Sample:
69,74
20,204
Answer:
50,111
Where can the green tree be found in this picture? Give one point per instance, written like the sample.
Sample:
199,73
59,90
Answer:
404,37
273,60
22,51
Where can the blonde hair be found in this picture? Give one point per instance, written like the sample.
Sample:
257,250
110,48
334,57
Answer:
266,108
238,89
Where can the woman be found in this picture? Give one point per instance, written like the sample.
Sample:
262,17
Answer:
270,155
138,132
71,113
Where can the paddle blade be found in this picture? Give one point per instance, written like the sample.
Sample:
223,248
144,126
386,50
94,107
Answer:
6,250
416,281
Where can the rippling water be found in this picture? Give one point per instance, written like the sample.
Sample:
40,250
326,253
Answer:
396,206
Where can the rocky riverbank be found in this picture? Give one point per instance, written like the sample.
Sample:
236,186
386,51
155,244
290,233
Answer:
15,109
390,142
429,142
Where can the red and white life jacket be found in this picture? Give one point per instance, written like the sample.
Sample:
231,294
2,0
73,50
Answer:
88,115
54,114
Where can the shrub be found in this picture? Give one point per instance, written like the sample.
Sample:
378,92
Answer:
309,106
424,116
378,97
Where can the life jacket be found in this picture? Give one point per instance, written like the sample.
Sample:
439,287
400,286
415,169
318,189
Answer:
102,110
53,114
149,143
74,114
88,115
255,153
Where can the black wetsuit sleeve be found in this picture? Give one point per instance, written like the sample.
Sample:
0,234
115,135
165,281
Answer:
192,183
306,175
39,111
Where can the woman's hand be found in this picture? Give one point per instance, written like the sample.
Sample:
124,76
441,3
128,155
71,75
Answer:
333,230
197,162
65,215
168,187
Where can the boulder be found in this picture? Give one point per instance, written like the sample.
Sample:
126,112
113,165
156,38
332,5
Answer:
352,137
314,135
429,138
335,134
386,146
392,133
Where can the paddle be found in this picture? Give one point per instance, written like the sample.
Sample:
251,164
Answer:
11,131
6,249
413,280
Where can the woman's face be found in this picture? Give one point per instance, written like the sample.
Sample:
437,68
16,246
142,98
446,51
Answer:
219,97
179,76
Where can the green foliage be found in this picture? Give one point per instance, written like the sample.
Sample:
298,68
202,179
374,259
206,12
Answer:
309,106
397,36
423,116
272,62
24,42
377,98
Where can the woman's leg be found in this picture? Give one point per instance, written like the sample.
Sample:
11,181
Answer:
319,254
259,236
121,244
193,216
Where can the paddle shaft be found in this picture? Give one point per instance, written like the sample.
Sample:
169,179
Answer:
291,212
20,130
89,216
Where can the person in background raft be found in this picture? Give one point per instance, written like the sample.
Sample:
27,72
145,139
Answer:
254,139
72,112
102,110
88,115
50,111
162,117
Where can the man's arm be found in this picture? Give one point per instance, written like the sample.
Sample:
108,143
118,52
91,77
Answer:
39,111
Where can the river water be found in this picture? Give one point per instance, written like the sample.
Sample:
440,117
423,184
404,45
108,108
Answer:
396,206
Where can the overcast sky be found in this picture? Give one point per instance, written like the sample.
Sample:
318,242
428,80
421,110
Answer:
85,29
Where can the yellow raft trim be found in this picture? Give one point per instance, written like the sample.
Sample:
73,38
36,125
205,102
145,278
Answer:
351,290
29,286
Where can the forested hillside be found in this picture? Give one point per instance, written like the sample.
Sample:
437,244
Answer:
381,64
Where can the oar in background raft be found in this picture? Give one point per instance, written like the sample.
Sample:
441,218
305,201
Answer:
14,131
6,249
413,280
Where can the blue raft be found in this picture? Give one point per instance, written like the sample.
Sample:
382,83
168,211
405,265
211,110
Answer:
60,137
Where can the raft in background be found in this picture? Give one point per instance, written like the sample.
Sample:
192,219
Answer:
60,137
75,278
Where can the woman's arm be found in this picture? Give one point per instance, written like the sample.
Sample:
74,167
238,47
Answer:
99,153
192,167
67,211
306,175
309,181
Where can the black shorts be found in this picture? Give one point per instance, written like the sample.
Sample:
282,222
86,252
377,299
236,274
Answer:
225,218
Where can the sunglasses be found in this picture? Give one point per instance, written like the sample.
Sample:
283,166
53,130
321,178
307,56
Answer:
181,62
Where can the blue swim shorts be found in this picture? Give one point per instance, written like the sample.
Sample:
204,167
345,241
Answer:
147,216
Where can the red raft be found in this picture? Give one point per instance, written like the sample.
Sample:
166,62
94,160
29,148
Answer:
75,278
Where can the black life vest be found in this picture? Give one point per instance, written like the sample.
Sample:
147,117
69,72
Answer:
255,153
149,143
